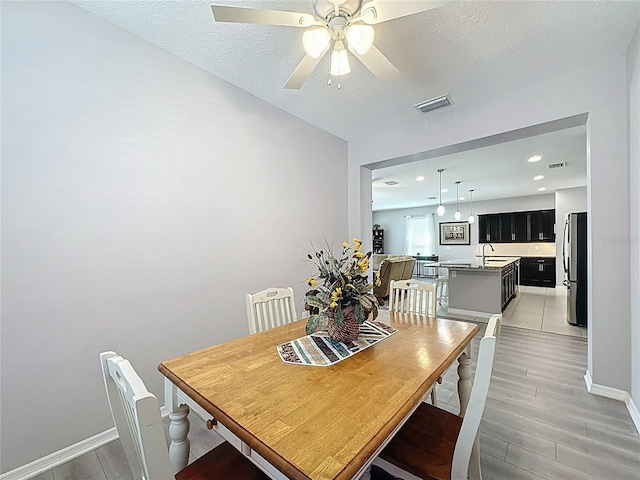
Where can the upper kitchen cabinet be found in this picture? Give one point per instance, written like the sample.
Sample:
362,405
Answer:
513,227
517,227
542,226
489,228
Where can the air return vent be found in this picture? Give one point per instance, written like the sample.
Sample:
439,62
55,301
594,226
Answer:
433,104
557,165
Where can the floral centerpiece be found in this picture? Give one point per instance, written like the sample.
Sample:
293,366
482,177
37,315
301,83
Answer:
341,297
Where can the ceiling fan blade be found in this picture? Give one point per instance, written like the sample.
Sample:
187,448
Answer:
378,64
378,11
222,13
303,70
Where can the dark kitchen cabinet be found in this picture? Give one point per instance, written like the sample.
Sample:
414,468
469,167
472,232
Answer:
517,227
489,228
509,282
538,271
542,226
513,227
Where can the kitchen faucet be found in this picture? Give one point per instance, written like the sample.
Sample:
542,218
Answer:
483,254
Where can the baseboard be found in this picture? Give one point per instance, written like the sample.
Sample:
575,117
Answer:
635,414
603,391
54,459
615,394
469,313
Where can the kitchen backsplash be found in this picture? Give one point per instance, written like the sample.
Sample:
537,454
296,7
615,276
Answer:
542,249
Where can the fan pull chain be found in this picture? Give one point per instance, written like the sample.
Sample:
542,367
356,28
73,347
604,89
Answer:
329,82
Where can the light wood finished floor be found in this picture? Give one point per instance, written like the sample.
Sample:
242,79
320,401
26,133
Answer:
539,422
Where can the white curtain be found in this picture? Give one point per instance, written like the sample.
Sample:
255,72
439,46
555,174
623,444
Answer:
420,235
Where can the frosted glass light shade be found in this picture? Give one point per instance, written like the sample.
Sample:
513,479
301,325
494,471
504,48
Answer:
457,216
360,37
315,41
440,210
471,219
339,60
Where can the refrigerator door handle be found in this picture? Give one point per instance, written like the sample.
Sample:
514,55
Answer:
565,233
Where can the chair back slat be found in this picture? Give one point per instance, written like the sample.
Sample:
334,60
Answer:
412,296
270,308
477,399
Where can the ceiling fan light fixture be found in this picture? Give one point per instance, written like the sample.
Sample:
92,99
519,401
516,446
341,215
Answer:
339,60
360,37
315,41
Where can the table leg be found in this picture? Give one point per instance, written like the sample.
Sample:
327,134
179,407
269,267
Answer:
464,382
178,427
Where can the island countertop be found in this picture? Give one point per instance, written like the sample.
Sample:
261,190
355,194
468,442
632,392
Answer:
490,263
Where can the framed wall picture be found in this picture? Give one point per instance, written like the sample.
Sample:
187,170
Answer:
454,233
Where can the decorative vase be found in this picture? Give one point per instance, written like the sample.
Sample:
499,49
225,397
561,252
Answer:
348,330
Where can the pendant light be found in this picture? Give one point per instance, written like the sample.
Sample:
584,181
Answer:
457,216
471,217
440,210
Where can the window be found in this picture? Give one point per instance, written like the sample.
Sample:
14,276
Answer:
420,235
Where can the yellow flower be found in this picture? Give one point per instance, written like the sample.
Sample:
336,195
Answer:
336,294
333,304
357,243
378,281
311,282
345,245
363,264
359,255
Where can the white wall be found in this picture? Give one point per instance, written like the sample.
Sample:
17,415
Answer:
393,223
599,92
141,199
633,78
567,200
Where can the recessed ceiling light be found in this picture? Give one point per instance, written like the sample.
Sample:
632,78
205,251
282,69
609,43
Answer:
542,189
461,198
538,177
535,158
445,190
420,178
432,198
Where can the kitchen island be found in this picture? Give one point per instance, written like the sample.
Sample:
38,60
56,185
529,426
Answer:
481,288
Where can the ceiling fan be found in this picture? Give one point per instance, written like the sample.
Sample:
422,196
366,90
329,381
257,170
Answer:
333,23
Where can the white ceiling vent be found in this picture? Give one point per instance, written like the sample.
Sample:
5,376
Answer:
557,165
433,104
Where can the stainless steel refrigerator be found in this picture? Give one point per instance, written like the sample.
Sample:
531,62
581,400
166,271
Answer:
574,260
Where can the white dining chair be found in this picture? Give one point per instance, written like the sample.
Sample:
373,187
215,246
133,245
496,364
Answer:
136,414
413,296
270,308
436,444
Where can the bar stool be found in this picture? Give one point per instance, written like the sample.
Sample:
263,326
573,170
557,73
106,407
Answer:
442,287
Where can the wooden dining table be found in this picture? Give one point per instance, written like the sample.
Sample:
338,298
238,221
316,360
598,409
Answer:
311,422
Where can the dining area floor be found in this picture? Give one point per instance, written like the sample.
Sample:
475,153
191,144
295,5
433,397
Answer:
539,421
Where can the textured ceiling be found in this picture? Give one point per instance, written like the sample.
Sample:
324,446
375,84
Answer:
471,50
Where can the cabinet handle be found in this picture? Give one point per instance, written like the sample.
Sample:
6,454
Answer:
540,267
513,236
